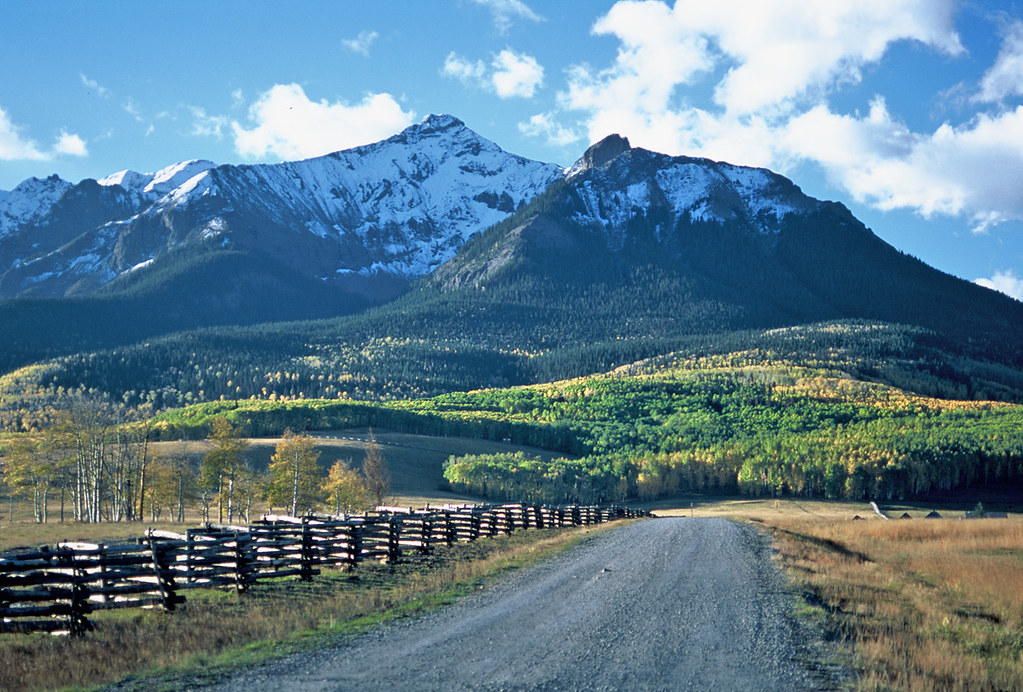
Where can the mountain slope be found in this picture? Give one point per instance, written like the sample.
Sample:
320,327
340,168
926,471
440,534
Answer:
398,207
744,248
631,256
191,289
326,236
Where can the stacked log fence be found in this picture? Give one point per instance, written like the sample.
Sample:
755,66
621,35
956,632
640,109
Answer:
54,589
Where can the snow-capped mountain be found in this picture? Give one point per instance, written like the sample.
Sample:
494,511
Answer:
149,187
671,245
617,198
632,182
626,244
29,202
384,213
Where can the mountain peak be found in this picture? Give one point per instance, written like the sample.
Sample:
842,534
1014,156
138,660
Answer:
600,153
439,123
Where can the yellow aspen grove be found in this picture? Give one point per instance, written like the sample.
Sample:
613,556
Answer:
374,468
345,489
294,473
223,463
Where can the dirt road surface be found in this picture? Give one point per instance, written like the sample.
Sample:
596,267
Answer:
660,604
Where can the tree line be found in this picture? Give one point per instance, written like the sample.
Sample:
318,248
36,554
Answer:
464,346
101,467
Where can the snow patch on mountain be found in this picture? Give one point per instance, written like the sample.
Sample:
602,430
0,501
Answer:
152,186
689,189
29,202
131,181
173,177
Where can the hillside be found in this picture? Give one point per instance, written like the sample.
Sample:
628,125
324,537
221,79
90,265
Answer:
751,421
634,254
223,245
631,255
733,247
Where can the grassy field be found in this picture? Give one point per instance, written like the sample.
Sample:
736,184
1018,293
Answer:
919,605
415,461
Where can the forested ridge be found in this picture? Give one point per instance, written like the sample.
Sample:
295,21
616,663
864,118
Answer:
748,421
190,288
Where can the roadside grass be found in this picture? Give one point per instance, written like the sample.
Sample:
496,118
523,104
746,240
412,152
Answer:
216,632
920,605
19,534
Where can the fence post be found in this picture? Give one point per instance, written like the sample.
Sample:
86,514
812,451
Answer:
164,579
393,536
449,529
306,554
189,549
356,544
426,532
242,576
78,623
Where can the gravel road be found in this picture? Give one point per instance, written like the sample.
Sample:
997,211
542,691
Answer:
663,604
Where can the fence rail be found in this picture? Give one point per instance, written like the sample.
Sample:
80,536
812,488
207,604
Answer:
54,589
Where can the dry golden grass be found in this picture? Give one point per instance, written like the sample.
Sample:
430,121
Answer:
758,509
216,632
923,604
23,532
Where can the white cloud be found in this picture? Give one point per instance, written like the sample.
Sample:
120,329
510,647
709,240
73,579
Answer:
509,74
1005,77
543,124
361,43
787,49
464,70
771,67
1007,282
132,109
656,55
516,74
290,126
70,145
505,12
205,125
94,85
971,170
773,52
16,147
13,146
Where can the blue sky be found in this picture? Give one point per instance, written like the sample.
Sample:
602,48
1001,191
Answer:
908,111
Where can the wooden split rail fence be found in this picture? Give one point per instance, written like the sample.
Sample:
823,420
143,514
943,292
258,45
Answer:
54,589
